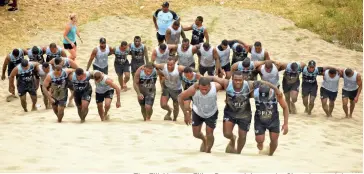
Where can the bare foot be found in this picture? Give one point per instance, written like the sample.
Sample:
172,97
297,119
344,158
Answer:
107,117
203,145
34,108
309,112
260,146
11,97
293,108
25,110
82,121
168,116
125,88
230,148
306,110
70,104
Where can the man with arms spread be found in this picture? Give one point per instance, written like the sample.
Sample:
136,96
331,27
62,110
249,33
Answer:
258,53
101,53
351,90
208,60
144,85
122,65
162,19
199,32
138,53
329,89
247,67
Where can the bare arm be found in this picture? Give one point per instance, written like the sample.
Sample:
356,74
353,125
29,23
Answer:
234,67
168,34
113,85
72,64
136,80
92,57
45,85
5,65
217,60
181,68
284,106
194,49
63,53
183,35
223,82
154,56
159,66
206,33
155,22
302,65
13,73
258,63
187,28
255,84
360,84
186,94
172,47
266,55
146,54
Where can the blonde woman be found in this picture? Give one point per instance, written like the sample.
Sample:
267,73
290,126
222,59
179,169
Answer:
69,41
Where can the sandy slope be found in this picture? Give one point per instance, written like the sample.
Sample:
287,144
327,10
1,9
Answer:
35,142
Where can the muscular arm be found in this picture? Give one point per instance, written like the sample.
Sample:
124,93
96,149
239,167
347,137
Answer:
187,28
258,64
302,65
168,34
186,94
72,64
92,57
183,35
217,60
13,73
234,67
155,22
172,47
159,66
256,84
113,85
45,85
206,33
146,54
136,80
194,49
360,84
266,55
222,82
5,65
284,106
154,56
181,68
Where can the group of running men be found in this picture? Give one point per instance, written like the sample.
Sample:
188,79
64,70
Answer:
173,62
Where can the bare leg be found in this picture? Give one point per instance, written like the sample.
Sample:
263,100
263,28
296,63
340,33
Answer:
260,141
60,113
70,100
175,110
210,138
55,109
331,106
312,104
352,106
273,142
73,53
241,140
84,109
293,95
107,108
121,80
288,101
23,101
345,107
34,102
100,109
149,112
164,105
228,128
196,130
325,107
305,103
144,112
126,80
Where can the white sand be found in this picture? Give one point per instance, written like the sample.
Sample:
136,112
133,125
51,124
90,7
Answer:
34,142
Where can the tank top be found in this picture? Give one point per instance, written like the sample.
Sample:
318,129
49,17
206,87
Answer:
237,103
42,74
59,85
162,58
71,35
350,83
101,59
185,58
51,55
147,83
197,34
241,56
175,35
188,82
17,60
36,58
81,85
102,87
266,112
224,55
66,63
291,77
25,76
205,106
173,80
309,77
139,53
272,77
121,56
331,84
207,58
257,56
250,71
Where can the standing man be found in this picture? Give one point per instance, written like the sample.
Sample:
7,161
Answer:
329,89
208,59
138,53
162,19
101,53
248,68
351,90
144,85
258,53
185,52
223,52
122,65
204,109
173,35
54,51
199,32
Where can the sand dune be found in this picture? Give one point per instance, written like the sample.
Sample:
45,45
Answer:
34,142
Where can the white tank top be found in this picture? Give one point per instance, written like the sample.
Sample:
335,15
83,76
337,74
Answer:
102,87
185,58
175,35
205,106
162,58
350,83
331,84
257,56
42,74
272,77
224,55
207,59
173,79
101,59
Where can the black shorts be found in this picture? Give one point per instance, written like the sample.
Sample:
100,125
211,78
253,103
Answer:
210,122
210,70
11,66
290,87
61,102
309,89
193,65
349,94
104,70
244,124
160,38
226,68
135,65
82,95
260,127
234,60
69,85
328,94
148,99
101,97
171,93
69,46
22,90
120,69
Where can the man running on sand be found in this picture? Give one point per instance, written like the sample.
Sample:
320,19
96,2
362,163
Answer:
248,68
351,90
238,109
329,89
223,52
185,52
101,53
208,60
82,91
162,19
104,92
204,109
267,116
239,50
25,82
44,69
144,85
269,72
122,65
138,53
35,54
54,51
189,78
258,53
172,86
57,81
173,35
199,32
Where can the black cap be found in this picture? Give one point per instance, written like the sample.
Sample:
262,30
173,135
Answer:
312,63
102,40
264,93
165,4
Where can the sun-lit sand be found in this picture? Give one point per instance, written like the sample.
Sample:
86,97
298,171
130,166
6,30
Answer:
34,142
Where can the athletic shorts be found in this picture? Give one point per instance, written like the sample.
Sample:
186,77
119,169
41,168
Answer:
349,94
10,68
22,90
170,93
82,95
290,87
160,38
210,122
328,94
135,65
69,85
272,126
309,89
120,69
210,70
148,99
244,124
104,70
61,102
101,97
68,46
226,68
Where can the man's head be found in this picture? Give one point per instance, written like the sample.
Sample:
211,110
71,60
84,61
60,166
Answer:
97,76
171,63
137,41
148,68
45,67
206,46
246,63
264,93
204,85
57,60
224,44
57,70
176,25
188,72
185,43
102,43
80,74
294,67
165,6
311,66
199,20
123,45
332,72
15,52
35,50
238,79
53,48
268,66
24,63
162,48
258,46
349,72
239,50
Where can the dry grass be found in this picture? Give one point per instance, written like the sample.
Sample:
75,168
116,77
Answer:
332,19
